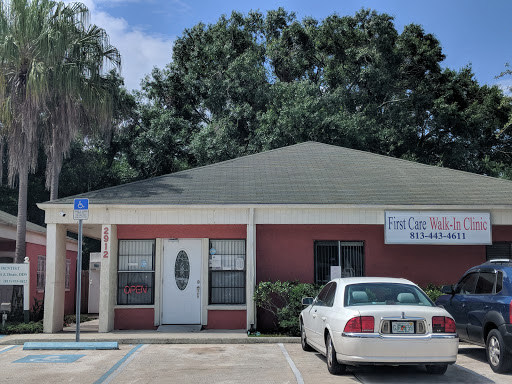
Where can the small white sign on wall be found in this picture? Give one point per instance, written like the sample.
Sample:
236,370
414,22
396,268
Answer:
335,272
14,274
448,228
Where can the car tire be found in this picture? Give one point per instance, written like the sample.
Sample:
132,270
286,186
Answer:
497,355
333,366
303,340
436,369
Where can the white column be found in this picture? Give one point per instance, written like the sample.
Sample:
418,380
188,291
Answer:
108,277
251,269
55,278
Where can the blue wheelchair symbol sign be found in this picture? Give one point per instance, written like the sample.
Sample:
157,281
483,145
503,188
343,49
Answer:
49,359
81,204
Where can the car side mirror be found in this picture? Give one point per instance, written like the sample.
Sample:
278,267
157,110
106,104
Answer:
307,300
447,289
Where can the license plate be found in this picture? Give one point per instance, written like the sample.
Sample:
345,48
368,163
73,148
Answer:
402,327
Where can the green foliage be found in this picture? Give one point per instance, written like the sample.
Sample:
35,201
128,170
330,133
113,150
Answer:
17,328
71,319
255,82
433,292
37,312
284,301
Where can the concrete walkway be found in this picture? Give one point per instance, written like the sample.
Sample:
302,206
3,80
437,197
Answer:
166,335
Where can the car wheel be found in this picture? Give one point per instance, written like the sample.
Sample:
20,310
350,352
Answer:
303,340
437,369
333,366
497,356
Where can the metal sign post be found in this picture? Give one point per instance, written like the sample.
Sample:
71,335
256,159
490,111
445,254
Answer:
80,213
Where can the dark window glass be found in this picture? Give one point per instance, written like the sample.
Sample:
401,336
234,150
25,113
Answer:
226,272
385,294
499,250
467,284
485,284
499,282
329,299
135,288
347,255
136,272
323,295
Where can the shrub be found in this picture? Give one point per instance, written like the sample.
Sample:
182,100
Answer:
433,291
16,328
71,319
283,299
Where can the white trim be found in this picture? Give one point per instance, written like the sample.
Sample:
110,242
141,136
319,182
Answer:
205,283
159,252
264,214
134,306
222,307
250,257
157,207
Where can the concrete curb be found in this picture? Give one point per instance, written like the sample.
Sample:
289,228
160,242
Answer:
69,346
144,339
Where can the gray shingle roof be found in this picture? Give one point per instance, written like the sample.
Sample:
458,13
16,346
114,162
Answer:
310,173
12,221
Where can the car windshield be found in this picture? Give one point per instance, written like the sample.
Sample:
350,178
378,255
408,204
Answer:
385,294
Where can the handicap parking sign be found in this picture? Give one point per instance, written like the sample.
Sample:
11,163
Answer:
81,209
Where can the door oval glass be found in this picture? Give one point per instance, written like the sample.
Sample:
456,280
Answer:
182,270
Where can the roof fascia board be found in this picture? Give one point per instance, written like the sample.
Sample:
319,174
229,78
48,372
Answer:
408,207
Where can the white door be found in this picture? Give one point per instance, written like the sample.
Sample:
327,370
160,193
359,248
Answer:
181,295
94,291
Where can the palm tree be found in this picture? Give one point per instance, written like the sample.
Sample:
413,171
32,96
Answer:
81,95
50,68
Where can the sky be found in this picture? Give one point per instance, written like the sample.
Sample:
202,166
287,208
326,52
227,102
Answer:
471,32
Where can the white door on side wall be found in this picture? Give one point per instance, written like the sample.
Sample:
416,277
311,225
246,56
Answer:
181,288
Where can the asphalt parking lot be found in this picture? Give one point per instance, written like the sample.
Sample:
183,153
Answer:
219,363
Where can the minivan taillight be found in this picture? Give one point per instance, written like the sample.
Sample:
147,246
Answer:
442,324
360,324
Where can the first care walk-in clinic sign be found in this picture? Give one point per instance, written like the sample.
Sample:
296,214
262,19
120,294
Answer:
424,227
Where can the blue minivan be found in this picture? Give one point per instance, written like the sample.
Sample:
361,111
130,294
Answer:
481,304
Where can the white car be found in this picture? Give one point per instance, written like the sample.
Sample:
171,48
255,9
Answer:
378,321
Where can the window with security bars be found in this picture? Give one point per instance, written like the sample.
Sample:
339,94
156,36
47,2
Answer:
136,272
67,286
347,254
41,272
499,250
226,272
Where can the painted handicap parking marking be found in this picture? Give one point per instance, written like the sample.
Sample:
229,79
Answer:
49,359
7,348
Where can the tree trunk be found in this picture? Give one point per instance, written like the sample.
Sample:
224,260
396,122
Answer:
55,163
21,227
54,186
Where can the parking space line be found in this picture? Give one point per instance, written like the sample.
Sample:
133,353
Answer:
7,349
295,371
119,366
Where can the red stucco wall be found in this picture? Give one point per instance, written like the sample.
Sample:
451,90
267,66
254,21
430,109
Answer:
227,320
134,318
128,319
181,231
286,252
8,246
32,252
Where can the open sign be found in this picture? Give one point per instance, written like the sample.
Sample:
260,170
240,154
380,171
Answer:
137,289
